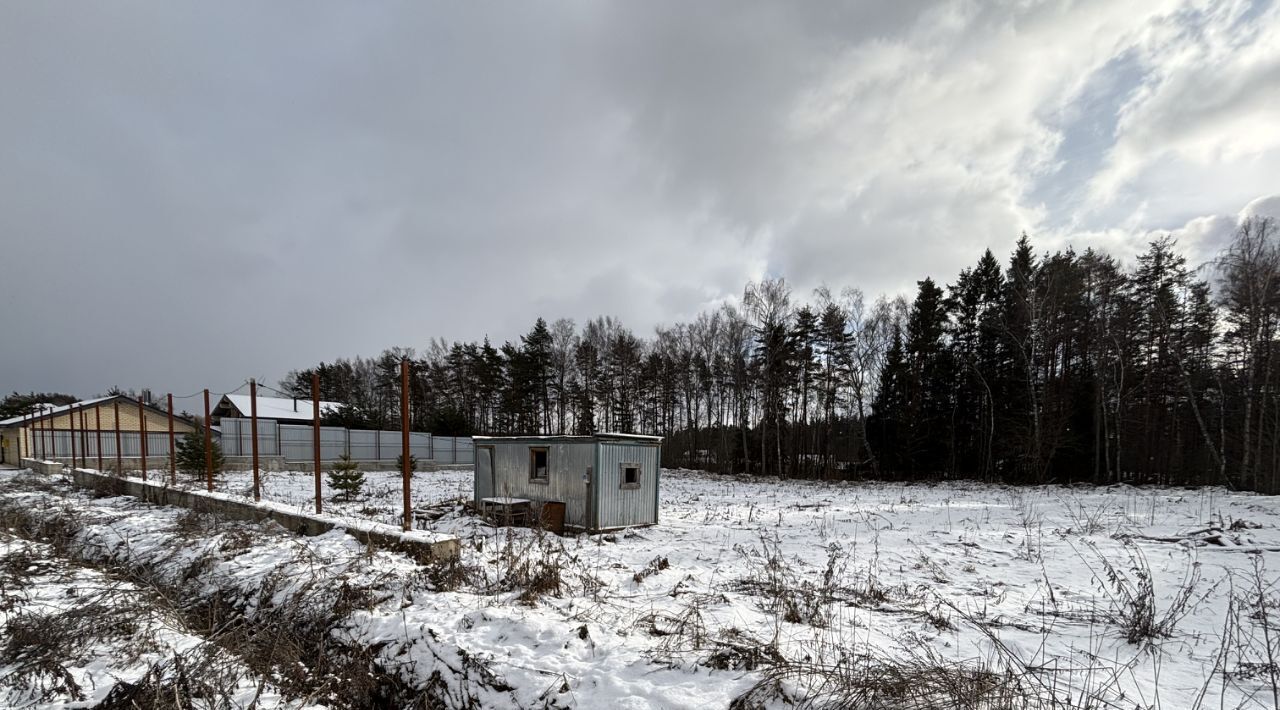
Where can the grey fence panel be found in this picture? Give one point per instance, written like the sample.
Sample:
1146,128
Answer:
296,442
419,446
130,444
229,438
237,437
45,444
364,445
453,449
157,444
109,445
466,450
389,444
293,442
268,437
333,442
87,445
58,444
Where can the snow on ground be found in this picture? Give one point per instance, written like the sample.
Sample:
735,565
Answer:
1121,593
72,633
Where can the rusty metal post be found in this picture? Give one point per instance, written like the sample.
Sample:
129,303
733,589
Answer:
173,464
253,432
25,423
97,427
315,433
24,432
115,406
404,441
71,422
142,437
208,445
84,439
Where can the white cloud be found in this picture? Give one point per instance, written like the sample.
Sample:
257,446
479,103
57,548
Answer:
1206,113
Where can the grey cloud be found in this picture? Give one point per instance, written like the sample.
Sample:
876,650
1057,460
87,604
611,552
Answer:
195,194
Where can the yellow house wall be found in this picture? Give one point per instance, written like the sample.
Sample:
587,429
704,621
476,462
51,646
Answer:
156,421
18,439
14,448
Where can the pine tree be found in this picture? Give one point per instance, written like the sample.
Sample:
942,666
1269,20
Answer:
804,351
833,345
189,456
346,476
889,410
929,406
587,359
1019,356
537,346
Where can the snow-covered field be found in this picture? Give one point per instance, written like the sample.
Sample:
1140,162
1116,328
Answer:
768,592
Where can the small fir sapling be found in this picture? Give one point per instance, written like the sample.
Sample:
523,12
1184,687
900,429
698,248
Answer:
189,456
346,476
413,462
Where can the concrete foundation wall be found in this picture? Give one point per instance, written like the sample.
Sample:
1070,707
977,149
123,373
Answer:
420,545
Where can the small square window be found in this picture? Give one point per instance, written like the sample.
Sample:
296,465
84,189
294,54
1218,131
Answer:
538,469
630,475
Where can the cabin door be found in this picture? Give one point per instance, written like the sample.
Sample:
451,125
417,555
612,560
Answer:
486,477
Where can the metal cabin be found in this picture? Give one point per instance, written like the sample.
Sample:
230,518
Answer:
606,481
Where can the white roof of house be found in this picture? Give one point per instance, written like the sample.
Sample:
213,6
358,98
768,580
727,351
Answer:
51,409
603,436
280,408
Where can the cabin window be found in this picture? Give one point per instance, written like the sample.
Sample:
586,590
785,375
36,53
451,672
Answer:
538,469
630,475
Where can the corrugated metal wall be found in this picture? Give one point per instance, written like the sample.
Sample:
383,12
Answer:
293,442
567,463
482,482
452,449
296,442
58,444
619,507
237,437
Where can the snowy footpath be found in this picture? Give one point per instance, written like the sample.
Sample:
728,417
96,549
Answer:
755,593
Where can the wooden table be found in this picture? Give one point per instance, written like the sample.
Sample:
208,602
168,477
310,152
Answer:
507,511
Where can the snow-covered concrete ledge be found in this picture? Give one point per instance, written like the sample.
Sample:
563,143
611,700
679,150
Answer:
421,545
40,466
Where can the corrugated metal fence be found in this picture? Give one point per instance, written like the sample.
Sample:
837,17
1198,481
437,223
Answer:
58,443
293,442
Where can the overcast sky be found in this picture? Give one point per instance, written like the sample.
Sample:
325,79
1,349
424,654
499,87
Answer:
195,194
